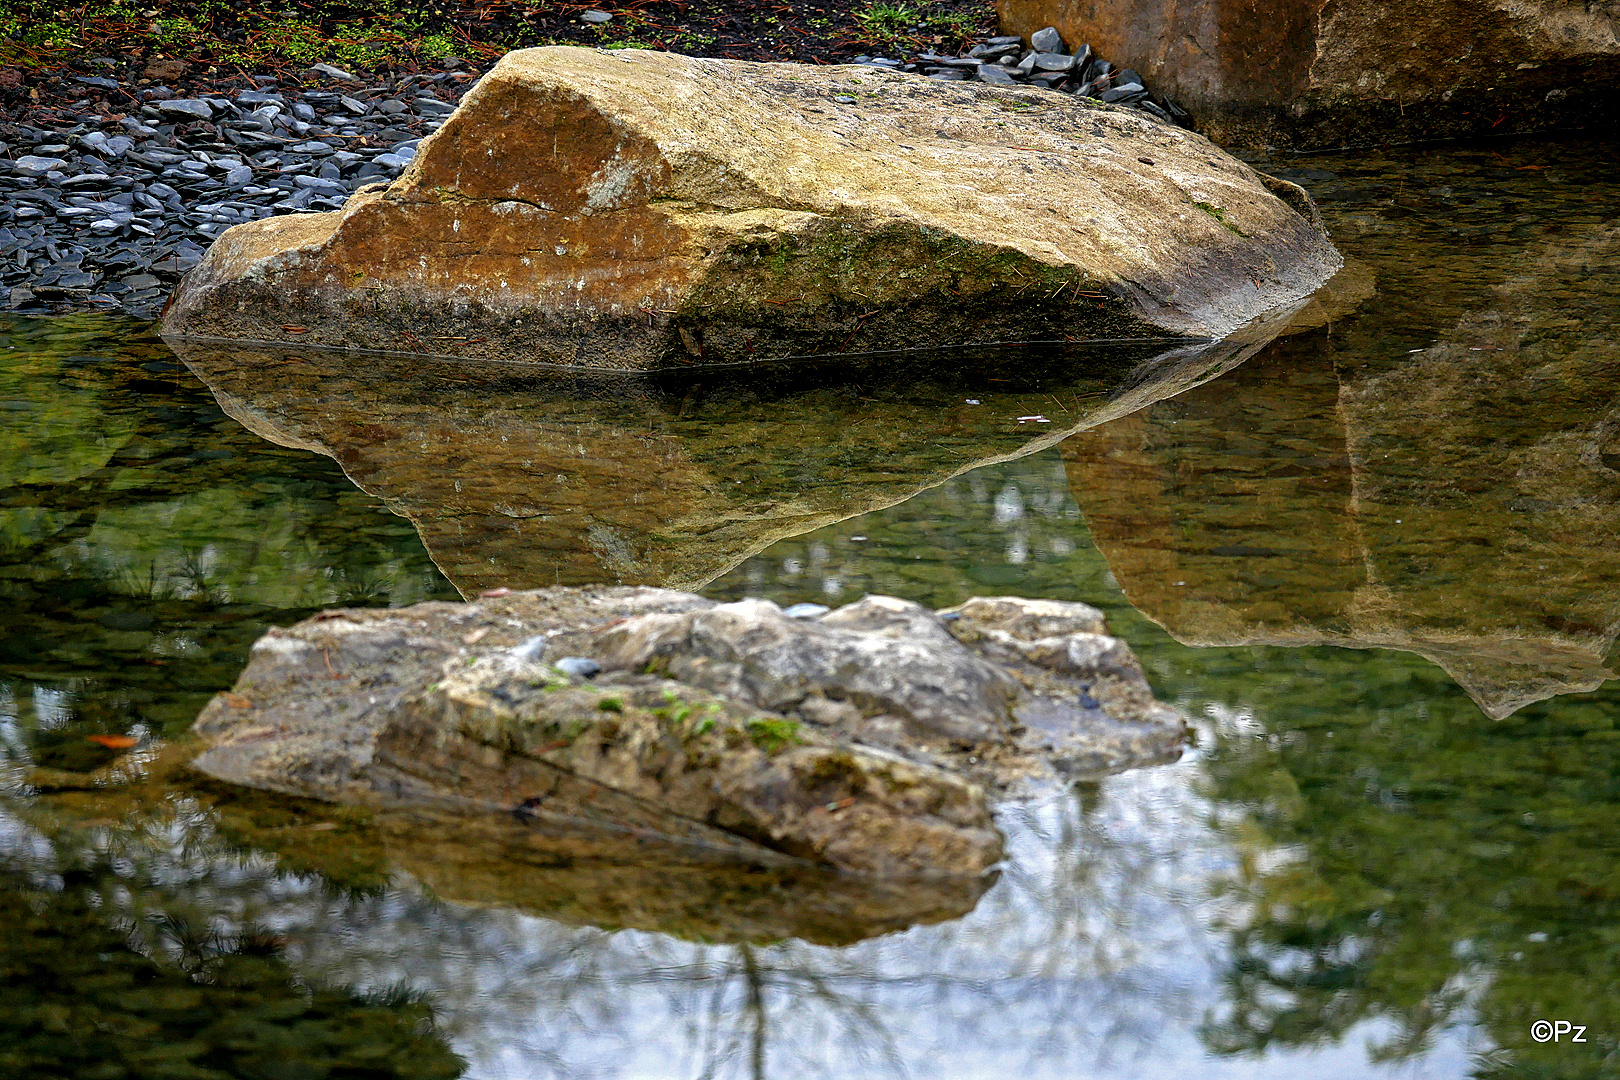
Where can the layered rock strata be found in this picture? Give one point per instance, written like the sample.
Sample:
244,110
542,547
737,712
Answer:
633,210
868,738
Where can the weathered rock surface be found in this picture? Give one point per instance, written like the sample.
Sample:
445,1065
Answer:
1310,74
528,480
865,738
633,210
1459,503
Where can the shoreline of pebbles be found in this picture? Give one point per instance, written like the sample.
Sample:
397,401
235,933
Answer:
1043,62
105,212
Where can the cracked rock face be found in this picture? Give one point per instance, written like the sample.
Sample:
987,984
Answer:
871,738
634,210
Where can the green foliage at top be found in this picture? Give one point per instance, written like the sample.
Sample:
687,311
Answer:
891,22
389,32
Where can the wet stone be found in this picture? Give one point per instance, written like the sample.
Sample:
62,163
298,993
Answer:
333,73
1046,40
1123,93
578,667
184,109
35,165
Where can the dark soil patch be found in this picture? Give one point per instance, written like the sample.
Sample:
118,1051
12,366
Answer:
191,46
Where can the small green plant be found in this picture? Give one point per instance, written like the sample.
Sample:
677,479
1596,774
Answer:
883,20
1219,215
770,734
436,46
954,24
610,704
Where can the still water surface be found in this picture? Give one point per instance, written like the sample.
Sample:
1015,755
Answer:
1374,561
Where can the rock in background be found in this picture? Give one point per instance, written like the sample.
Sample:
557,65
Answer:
1304,74
634,210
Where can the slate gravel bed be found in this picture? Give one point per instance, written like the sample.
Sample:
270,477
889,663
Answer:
107,211
104,213
1045,60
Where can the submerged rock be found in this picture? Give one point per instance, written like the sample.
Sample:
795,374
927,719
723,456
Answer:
869,738
633,210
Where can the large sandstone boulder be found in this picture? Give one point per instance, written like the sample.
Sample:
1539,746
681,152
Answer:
866,738
1460,502
632,210
1310,74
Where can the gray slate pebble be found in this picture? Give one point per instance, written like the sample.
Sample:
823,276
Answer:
183,109
34,165
578,667
1046,40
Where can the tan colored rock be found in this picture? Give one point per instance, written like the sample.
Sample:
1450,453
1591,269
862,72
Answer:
633,210
868,738
1309,74
1459,503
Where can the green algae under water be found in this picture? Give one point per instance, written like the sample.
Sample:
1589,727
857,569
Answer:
1374,562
